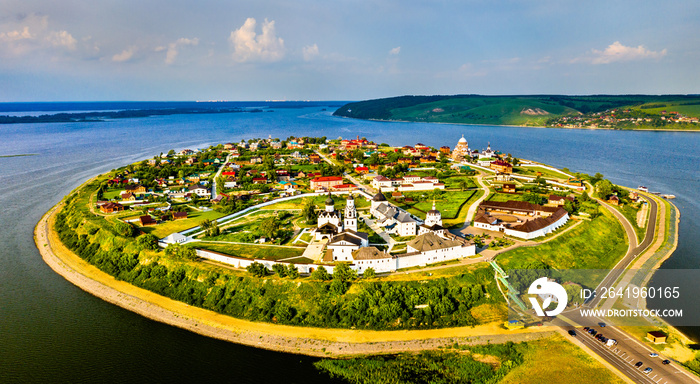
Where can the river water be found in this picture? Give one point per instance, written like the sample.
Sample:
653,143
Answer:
51,331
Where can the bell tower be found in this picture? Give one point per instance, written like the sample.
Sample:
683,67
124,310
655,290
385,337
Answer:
350,220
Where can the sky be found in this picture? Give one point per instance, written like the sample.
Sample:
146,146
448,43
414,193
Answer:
344,50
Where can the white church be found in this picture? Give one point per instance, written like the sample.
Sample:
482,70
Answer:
340,231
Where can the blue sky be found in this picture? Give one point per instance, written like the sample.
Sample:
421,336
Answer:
343,50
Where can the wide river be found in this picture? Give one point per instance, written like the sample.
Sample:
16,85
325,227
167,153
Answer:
51,331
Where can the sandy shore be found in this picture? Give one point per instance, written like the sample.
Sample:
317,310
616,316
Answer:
284,338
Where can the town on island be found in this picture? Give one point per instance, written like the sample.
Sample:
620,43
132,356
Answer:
352,235
395,183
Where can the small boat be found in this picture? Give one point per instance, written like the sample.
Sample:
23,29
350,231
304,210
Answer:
643,188
668,196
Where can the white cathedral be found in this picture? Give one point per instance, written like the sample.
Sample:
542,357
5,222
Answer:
340,230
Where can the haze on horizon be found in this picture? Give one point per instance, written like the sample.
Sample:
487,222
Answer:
344,50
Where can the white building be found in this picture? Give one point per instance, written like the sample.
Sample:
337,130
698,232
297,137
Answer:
393,219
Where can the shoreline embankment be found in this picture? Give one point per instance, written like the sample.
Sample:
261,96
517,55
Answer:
319,342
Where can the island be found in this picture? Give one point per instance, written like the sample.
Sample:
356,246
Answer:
635,112
351,249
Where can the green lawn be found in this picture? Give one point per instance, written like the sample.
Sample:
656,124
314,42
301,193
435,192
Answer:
595,244
305,167
506,197
453,182
547,173
193,220
251,251
631,214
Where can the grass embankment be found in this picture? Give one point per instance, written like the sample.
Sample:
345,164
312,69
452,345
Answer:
550,359
343,302
595,244
631,215
554,360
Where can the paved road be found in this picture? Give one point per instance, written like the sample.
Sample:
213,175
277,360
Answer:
633,251
627,353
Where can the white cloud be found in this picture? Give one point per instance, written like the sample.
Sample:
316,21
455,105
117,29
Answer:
249,46
618,52
173,48
16,35
395,51
125,55
310,52
62,39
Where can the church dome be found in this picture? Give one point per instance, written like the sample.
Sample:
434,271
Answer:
329,200
463,140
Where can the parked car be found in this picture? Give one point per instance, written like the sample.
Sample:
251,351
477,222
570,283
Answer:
586,328
572,332
653,354
666,362
648,370
639,364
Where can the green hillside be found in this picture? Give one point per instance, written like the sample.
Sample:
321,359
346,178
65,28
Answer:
540,110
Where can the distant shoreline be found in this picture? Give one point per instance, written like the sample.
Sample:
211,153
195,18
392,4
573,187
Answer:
525,126
20,155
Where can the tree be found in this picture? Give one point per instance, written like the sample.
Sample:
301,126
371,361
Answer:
147,241
124,229
308,212
292,271
171,153
344,273
181,252
369,273
604,188
596,178
463,184
257,269
320,274
280,270
269,227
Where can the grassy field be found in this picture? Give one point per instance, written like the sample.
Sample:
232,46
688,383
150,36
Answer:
555,360
448,206
319,201
193,219
251,251
501,110
546,173
453,182
595,244
506,197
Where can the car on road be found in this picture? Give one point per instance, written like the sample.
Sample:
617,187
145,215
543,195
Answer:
653,354
648,370
602,325
666,362
639,364
572,332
